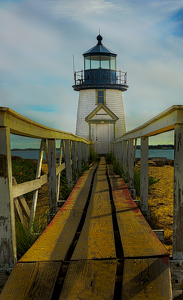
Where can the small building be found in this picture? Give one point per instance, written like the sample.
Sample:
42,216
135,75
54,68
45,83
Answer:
100,114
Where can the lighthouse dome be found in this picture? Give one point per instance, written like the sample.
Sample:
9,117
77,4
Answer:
99,49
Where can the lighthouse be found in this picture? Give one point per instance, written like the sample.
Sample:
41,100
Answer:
100,114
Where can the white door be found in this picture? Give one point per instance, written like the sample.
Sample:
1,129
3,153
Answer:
102,138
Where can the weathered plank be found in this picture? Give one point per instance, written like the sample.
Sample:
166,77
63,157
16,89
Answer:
21,125
29,186
54,243
35,193
97,238
144,175
137,237
90,280
7,215
146,279
34,280
22,200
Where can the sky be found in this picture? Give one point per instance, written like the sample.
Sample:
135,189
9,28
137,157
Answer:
38,39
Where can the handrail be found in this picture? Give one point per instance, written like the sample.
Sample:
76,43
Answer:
161,123
123,149
75,150
23,126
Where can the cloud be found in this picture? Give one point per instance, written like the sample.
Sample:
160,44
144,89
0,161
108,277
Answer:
39,38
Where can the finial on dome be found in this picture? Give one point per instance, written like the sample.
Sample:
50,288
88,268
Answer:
99,38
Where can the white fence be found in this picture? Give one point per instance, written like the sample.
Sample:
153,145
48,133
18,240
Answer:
70,145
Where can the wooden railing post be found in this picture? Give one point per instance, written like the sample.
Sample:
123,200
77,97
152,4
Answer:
8,253
79,156
125,159
144,175
83,152
177,251
74,162
52,178
131,164
68,163
35,193
59,163
120,152
88,152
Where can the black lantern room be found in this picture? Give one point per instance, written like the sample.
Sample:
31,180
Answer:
100,70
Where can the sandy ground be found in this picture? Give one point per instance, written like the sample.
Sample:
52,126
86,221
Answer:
161,201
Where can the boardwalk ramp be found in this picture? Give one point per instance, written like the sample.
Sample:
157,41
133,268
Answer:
98,246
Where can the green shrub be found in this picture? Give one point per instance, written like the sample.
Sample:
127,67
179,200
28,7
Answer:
94,157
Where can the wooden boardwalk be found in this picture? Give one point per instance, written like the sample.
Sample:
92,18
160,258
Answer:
98,246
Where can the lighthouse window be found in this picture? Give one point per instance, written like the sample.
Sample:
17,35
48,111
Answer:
113,63
105,62
100,97
87,63
95,62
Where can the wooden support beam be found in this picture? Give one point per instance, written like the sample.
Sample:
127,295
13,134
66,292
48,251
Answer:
52,178
83,152
23,201
131,164
74,162
35,193
8,253
79,156
120,152
58,175
68,163
125,159
144,175
177,251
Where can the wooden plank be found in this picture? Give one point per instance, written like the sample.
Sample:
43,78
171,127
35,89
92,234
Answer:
68,163
22,200
97,238
146,279
58,175
125,158
29,186
7,213
137,237
34,280
55,241
90,280
35,193
19,211
79,156
177,250
131,163
74,160
21,125
52,178
144,175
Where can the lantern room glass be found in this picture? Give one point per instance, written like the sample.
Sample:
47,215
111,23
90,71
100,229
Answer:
100,61
113,63
87,63
95,62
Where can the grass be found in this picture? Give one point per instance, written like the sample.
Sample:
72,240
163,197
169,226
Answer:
118,169
26,237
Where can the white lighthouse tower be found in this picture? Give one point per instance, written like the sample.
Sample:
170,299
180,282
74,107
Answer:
100,114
